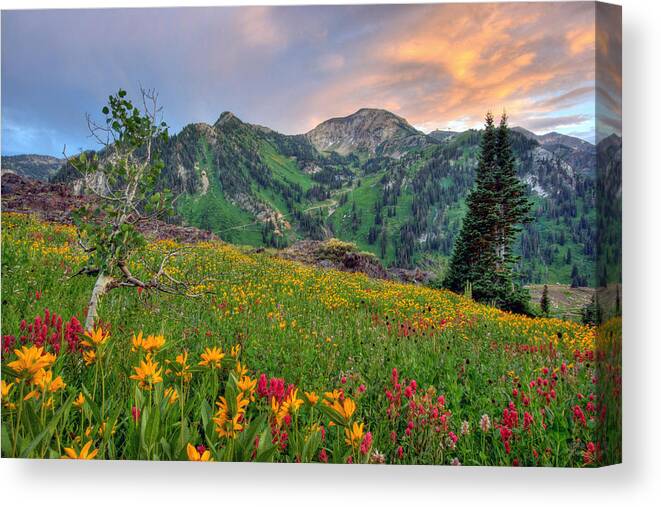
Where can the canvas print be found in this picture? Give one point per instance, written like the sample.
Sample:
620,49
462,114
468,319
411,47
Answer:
360,234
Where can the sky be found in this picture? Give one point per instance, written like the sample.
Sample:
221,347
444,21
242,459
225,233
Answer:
290,68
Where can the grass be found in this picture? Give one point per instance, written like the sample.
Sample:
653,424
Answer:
284,168
213,212
434,377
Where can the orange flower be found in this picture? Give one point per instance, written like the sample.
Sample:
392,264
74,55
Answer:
89,356
344,408
247,386
228,424
354,434
312,397
150,344
70,453
96,338
31,360
147,374
195,455
212,357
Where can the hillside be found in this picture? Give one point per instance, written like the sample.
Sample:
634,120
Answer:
432,376
372,179
40,167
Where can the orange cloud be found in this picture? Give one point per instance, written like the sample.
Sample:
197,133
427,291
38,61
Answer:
458,61
580,40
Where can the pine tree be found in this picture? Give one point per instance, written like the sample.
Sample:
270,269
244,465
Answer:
544,303
592,312
513,204
497,205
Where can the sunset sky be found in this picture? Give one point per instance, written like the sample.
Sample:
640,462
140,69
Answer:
289,68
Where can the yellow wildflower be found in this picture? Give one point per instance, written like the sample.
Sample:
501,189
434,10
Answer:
89,356
96,338
171,395
150,344
354,434
6,388
195,455
44,380
137,342
102,429
293,402
181,367
212,357
344,408
227,424
247,386
235,350
241,371
312,397
147,374
32,394
153,343
31,360
70,452
332,396
182,358
79,401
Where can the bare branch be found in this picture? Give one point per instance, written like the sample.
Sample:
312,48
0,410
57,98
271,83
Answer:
85,271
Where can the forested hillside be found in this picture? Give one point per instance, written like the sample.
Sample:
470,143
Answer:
372,179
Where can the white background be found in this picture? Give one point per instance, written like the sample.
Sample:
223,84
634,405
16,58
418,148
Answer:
636,482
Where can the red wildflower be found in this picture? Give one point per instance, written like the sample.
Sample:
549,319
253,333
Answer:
366,443
579,416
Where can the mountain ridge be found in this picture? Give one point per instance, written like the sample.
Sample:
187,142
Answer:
373,179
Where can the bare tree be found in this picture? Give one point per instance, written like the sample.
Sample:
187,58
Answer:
122,175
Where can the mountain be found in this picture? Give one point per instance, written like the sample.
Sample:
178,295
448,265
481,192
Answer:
369,132
443,135
39,167
609,210
580,154
250,184
372,179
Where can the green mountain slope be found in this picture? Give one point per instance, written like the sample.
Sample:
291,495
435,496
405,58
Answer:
373,179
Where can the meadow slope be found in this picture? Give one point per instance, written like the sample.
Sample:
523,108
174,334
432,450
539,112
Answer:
315,365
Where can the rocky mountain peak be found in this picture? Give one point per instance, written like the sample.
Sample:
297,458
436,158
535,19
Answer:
370,131
225,118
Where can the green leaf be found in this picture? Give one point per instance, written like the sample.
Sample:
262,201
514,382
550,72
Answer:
50,427
6,442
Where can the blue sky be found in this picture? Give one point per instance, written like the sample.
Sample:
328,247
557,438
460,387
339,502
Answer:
289,68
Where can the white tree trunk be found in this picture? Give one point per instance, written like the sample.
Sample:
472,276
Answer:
100,288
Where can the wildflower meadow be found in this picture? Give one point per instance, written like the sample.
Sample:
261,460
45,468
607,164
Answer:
281,362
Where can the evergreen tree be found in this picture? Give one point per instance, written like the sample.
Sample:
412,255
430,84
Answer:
592,313
497,205
575,277
384,241
513,204
544,303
